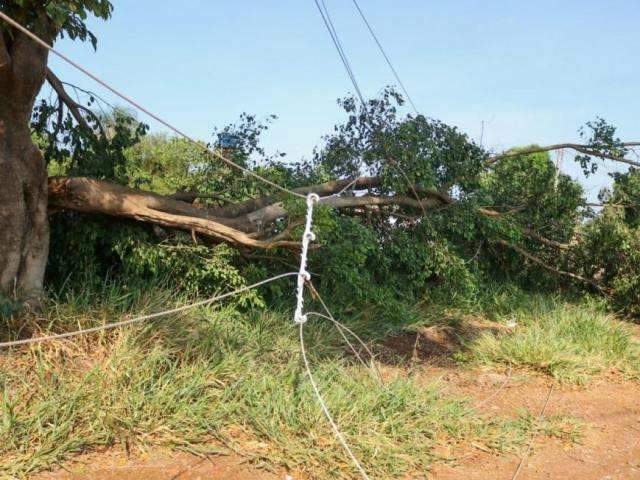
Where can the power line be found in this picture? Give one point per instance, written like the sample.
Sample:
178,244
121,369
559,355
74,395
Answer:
326,18
138,106
384,54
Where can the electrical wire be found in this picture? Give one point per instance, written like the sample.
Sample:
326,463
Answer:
386,57
326,18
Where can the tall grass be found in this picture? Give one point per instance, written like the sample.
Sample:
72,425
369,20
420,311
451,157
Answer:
569,340
217,378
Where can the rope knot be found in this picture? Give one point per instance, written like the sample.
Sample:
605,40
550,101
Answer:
303,275
306,276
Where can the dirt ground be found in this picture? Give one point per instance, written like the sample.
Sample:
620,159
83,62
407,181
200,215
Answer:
609,448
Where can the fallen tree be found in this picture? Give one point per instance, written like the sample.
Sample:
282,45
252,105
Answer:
412,189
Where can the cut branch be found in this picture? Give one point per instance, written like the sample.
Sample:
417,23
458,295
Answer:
246,230
191,197
550,268
269,214
323,189
547,241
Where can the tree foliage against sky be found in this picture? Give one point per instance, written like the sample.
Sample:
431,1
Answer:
414,206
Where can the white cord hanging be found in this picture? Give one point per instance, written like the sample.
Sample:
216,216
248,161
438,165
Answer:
304,276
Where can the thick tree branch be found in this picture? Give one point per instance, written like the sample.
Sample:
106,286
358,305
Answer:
269,214
74,107
547,241
93,196
191,197
323,189
571,146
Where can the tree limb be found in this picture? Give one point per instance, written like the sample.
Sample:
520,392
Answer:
550,268
93,196
74,107
547,241
191,197
571,146
264,216
323,189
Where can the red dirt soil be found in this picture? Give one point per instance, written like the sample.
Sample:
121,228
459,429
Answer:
608,449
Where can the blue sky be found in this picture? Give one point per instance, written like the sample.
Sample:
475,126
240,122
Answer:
533,72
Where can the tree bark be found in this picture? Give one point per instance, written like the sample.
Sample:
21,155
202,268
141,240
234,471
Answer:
24,228
93,196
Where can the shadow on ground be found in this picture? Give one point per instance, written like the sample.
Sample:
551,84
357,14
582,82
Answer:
435,344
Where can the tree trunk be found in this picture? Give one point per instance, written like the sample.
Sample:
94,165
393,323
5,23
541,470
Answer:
24,228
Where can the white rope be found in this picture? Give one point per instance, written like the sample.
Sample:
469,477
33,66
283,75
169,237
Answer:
143,317
138,106
300,318
304,276
325,409
342,328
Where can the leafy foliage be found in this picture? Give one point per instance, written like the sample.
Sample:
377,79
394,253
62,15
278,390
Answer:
80,152
68,17
600,137
386,257
611,243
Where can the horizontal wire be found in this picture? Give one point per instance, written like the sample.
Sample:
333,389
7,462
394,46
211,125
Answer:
136,105
108,326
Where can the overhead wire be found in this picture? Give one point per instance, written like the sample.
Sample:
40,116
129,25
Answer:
326,18
141,108
386,57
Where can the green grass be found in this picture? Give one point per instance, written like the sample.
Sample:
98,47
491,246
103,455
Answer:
215,378
570,341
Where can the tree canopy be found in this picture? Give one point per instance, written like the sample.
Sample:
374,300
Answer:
413,206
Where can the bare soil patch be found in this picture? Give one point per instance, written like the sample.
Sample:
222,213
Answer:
609,448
